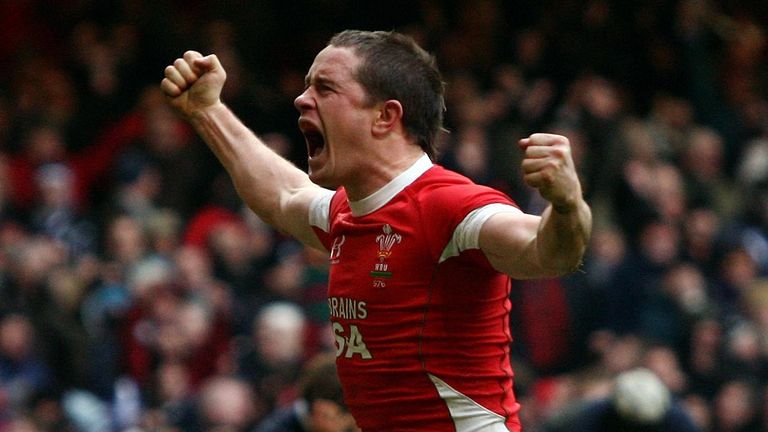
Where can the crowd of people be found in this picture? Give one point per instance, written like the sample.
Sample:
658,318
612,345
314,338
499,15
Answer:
138,293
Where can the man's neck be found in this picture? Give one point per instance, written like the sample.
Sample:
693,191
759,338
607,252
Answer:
380,174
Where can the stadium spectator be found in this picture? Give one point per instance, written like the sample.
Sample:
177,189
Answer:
319,406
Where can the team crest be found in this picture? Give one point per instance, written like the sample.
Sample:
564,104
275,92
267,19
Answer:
386,241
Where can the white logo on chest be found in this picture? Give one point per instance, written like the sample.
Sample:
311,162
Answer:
336,249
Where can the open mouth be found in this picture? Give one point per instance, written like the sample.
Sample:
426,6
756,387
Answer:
315,142
314,138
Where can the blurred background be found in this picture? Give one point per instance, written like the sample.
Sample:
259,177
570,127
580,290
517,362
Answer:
136,292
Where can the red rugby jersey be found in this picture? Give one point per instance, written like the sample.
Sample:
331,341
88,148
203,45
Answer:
421,323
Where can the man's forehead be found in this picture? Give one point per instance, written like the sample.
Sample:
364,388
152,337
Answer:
334,62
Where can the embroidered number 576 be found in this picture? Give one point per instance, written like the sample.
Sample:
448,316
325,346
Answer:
350,345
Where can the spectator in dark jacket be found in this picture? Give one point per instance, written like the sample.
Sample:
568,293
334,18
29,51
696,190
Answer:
639,403
320,407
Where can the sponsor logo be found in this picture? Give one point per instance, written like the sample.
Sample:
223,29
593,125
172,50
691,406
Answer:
336,249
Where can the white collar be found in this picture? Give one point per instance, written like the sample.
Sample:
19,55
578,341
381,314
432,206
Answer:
376,200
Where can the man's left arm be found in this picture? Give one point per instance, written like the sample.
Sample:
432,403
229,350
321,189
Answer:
527,246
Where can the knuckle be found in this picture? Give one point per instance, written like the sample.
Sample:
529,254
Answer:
560,152
559,139
548,164
550,167
537,137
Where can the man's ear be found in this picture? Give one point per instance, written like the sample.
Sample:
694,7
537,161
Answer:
389,117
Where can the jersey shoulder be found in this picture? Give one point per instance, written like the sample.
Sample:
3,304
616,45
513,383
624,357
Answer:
443,199
442,191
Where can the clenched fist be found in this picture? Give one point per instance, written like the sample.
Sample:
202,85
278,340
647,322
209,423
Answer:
194,82
548,166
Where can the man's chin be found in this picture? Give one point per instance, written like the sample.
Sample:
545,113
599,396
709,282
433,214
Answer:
322,181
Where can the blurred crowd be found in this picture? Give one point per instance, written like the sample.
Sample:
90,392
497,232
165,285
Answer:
136,292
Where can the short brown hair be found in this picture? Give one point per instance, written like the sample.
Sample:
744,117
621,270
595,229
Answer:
394,66
319,380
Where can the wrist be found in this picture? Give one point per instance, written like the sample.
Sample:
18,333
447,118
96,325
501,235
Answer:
204,113
567,207
563,208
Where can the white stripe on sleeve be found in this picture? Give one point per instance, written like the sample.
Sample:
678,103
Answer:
320,210
467,233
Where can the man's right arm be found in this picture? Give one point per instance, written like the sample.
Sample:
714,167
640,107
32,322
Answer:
271,186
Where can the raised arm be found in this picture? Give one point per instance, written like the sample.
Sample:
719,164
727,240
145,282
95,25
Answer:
527,246
271,186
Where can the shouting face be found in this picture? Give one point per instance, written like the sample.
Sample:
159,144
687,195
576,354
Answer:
335,118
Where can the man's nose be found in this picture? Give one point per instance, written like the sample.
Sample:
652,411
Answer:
304,101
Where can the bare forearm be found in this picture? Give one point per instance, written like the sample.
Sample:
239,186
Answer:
563,236
262,177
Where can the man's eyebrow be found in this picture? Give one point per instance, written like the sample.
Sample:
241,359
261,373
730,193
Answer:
317,80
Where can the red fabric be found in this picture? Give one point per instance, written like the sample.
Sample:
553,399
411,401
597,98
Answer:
205,221
21,28
137,355
204,361
140,353
544,312
88,166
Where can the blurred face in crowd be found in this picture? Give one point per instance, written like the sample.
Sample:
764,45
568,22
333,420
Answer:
173,382
45,144
279,333
734,405
16,336
127,242
738,268
664,363
55,183
228,403
660,242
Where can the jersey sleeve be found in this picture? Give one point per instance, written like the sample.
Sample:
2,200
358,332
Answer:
320,216
466,236
454,214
